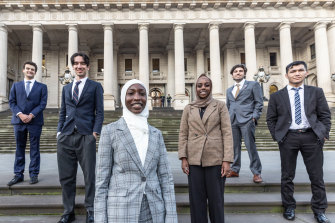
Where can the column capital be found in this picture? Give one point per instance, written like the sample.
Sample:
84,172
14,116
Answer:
249,25
72,26
170,47
3,28
320,25
178,26
200,46
37,27
143,26
108,26
331,25
284,25
214,25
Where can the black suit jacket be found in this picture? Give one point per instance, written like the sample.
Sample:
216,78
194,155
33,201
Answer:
87,115
279,116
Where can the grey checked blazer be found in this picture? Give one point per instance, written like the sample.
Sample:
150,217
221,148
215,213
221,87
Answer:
121,179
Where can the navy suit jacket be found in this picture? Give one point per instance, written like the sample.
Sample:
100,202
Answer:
87,115
279,115
35,103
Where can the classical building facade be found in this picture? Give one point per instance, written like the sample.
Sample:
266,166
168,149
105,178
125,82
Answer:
166,44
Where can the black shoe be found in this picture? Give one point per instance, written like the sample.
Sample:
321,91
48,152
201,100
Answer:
321,218
15,180
89,217
289,214
67,218
33,180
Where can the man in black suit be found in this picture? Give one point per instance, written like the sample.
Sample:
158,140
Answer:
80,121
298,118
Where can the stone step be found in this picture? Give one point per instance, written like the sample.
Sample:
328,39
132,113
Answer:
234,203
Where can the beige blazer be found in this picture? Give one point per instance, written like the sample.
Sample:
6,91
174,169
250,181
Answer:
207,141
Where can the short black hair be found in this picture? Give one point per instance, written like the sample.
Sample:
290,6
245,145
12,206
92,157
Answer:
83,55
295,63
30,63
241,66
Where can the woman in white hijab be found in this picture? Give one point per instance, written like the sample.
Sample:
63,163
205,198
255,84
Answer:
133,177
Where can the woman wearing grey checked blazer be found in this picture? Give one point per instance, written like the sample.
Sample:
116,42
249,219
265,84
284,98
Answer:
133,178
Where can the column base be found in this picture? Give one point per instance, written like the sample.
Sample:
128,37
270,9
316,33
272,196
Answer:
180,102
330,99
109,103
219,97
4,105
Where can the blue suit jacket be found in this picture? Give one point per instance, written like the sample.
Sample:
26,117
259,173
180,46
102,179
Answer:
35,103
87,115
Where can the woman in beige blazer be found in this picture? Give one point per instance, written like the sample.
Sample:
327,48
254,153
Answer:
206,150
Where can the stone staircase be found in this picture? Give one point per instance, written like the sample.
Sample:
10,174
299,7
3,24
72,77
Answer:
167,120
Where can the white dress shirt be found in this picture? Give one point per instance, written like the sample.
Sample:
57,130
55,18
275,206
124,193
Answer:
304,122
31,83
235,87
80,86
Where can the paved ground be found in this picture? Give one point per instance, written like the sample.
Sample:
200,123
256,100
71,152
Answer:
270,173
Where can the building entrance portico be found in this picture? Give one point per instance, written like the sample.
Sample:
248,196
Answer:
166,44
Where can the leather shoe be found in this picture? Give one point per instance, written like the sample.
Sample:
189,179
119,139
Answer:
89,217
15,180
67,218
257,178
232,173
289,214
33,180
321,218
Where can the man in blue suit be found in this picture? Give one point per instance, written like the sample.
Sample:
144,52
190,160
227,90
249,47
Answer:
245,104
27,100
80,121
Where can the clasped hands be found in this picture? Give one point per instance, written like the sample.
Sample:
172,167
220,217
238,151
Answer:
26,118
225,167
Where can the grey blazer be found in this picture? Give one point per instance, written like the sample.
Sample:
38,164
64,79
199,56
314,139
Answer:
121,179
247,105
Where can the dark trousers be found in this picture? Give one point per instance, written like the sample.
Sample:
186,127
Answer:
247,131
206,183
72,149
311,150
21,135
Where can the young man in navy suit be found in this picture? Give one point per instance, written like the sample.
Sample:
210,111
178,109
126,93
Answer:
27,100
80,121
298,118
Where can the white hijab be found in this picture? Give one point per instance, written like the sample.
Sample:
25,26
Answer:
137,123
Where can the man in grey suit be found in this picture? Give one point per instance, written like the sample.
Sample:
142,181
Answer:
80,121
245,104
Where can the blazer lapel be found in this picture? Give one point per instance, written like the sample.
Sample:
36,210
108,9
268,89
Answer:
152,145
245,85
128,142
286,99
230,93
86,86
209,110
195,113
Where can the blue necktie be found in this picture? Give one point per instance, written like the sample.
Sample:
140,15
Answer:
28,87
76,92
297,106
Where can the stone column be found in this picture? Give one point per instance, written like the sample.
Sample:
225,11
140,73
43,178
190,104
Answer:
181,100
200,59
144,54
215,61
3,67
73,42
250,49
115,88
109,100
322,57
331,45
37,50
170,87
286,55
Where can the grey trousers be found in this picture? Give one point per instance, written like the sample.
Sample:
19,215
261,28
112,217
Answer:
247,131
72,149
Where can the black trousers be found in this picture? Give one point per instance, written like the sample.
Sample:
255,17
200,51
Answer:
206,183
311,150
72,149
